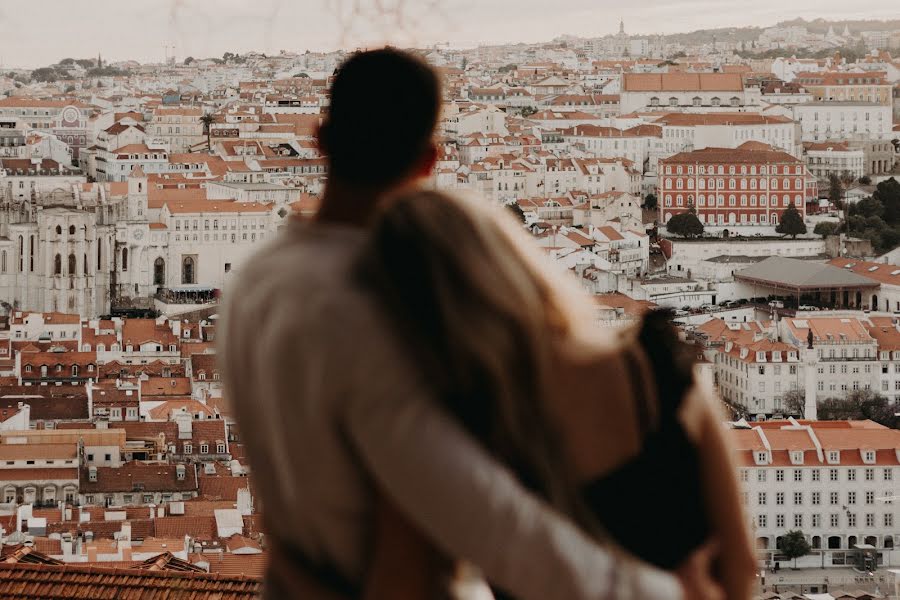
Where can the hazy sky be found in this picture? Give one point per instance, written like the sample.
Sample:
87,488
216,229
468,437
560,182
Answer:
40,32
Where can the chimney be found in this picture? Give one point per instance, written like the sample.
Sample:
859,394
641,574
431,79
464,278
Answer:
92,554
244,501
187,544
185,426
125,533
126,553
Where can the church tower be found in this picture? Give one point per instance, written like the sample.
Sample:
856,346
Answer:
810,404
137,195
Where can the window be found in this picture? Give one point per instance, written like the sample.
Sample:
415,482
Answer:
779,498
204,448
760,476
761,498
779,475
851,475
888,520
816,474
888,474
833,498
188,448
870,474
870,497
851,519
761,520
187,270
816,498
832,474
851,497
817,520
220,448
798,498
779,521
798,520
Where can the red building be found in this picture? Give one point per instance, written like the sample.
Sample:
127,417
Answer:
749,185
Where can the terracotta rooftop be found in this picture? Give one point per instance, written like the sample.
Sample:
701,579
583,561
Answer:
70,582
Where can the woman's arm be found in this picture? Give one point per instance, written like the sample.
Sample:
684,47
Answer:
465,502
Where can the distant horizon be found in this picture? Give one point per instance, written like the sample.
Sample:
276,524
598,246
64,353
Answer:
44,32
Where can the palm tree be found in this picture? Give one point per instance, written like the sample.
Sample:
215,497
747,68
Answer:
208,119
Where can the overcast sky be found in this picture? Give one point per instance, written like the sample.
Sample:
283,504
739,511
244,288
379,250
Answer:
40,32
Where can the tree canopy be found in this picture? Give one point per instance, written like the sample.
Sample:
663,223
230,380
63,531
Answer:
826,228
794,545
685,224
791,222
877,218
859,405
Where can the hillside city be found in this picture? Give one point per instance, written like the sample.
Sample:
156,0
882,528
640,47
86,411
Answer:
749,182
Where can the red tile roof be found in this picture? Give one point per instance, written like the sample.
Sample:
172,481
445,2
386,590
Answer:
70,582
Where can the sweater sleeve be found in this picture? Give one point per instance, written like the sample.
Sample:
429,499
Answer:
467,503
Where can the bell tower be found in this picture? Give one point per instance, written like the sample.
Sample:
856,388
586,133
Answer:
137,195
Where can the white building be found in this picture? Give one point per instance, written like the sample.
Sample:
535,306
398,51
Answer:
836,483
823,121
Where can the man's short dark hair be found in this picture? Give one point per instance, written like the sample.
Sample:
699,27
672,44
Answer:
383,111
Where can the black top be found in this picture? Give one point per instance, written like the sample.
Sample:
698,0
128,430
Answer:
653,506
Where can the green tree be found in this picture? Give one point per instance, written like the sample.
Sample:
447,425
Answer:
67,61
794,402
835,189
859,405
208,119
651,202
685,224
507,68
826,228
867,207
888,194
86,63
302,75
791,223
865,180
188,60
45,74
528,111
794,545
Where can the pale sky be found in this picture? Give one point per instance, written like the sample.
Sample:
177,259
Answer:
40,32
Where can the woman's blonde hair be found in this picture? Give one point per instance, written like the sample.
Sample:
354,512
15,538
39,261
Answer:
483,311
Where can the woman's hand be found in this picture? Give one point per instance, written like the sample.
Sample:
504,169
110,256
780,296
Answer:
695,575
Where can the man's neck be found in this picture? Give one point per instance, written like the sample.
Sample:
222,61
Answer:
349,204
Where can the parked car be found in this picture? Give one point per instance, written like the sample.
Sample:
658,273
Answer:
776,304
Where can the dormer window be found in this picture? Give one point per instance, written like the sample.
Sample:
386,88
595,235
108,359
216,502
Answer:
797,457
776,356
834,457
760,356
762,458
869,457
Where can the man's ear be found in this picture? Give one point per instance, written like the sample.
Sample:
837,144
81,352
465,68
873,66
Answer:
428,161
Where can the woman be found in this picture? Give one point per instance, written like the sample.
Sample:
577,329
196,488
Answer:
595,421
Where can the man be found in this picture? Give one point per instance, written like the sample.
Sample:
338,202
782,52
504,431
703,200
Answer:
330,407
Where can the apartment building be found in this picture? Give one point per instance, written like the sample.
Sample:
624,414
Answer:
835,481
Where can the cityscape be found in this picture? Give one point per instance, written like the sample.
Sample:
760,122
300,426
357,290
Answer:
746,179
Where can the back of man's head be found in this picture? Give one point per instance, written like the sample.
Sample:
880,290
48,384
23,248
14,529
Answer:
384,108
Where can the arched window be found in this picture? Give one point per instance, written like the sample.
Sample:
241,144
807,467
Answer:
697,101
31,254
73,267
57,265
59,230
159,271
716,101
673,101
85,264
124,259
735,101
71,230
187,270
21,254
3,262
